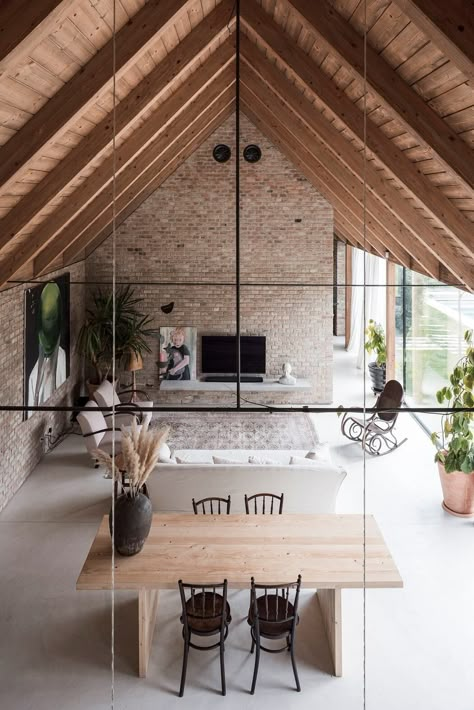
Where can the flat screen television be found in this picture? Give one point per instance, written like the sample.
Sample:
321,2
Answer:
219,356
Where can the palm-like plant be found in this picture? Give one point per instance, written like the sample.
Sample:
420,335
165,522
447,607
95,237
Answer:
132,328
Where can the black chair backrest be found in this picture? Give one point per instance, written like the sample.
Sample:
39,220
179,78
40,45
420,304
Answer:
391,397
207,601
280,602
262,503
212,506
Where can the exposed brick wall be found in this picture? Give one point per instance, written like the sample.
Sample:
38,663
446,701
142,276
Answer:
186,232
340,256
20,446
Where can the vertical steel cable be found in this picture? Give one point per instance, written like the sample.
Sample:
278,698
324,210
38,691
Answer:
114,171
364,237
237,195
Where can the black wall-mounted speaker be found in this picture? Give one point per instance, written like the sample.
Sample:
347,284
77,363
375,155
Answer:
252,153
221,153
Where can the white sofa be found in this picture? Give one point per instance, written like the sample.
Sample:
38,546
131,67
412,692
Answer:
307,488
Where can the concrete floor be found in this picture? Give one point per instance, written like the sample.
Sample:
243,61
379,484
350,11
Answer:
55,650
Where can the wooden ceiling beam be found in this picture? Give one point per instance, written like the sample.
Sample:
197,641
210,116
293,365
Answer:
127,111
344,218
450,26
342,183
409,107
276,128
138,175
423,242
83,89
140,170
102,229
24,24
319,85
145,136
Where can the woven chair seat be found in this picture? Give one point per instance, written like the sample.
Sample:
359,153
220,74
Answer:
270,611
206,616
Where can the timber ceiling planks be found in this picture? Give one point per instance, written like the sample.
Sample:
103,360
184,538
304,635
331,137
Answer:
302,82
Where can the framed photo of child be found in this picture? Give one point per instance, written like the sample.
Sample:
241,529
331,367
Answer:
178,352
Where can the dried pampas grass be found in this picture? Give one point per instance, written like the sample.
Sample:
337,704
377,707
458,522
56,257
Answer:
140,452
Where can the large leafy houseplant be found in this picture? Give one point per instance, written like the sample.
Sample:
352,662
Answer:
456,441
132,328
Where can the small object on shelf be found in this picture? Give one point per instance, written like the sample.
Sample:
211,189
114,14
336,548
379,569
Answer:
287,378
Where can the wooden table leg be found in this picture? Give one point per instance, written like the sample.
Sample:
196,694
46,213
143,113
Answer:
147,606
330,605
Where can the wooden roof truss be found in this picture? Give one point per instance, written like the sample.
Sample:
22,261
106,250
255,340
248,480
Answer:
389,143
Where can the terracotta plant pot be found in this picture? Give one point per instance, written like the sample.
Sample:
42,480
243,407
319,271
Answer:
133,518
458,492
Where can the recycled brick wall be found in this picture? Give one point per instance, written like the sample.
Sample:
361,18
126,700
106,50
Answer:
20,445
185,232
340,250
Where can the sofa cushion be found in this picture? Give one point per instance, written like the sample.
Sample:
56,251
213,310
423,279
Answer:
319,453
164,452
224,460
281,456
304,461
178,459
262,461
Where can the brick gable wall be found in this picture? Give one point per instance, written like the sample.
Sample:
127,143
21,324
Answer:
185,232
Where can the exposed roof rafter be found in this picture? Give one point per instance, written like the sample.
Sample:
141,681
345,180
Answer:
452,29
84,87
24,24
56,201
423,237
142,170
409,107
127,111
334,182
94,238
319,85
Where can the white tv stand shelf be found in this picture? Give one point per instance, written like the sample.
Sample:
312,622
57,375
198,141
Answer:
268,385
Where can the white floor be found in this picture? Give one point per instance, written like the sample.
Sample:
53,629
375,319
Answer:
55,642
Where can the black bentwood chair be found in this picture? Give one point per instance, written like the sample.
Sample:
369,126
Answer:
205,613
376,433
263,503
274,616
212,506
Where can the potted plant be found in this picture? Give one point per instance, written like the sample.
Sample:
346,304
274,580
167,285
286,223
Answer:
133,510
96,337
375,342
455,443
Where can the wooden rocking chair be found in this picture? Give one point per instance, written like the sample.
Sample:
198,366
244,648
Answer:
376,433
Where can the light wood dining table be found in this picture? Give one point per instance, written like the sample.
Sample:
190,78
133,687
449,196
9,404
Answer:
327,550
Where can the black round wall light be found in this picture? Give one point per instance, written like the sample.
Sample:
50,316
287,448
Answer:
252,153
221,153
